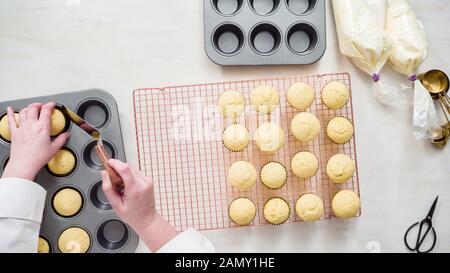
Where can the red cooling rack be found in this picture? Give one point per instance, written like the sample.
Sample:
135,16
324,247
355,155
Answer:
179,136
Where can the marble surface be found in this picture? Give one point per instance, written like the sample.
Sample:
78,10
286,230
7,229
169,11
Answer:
53,46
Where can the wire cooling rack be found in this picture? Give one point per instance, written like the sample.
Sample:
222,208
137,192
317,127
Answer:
179,136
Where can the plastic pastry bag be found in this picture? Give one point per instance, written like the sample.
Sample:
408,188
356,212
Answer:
409,50
361,32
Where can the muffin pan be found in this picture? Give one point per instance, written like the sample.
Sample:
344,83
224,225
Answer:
264,32
107,232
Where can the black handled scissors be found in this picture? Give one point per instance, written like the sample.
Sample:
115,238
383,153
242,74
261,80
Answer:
420,239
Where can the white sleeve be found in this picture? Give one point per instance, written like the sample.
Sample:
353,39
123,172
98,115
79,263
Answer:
21,208
189,241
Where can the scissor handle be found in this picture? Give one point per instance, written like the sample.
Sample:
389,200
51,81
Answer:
420,239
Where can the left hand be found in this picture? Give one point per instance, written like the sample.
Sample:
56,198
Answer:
31,145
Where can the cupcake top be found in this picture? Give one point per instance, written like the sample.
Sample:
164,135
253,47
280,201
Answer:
236,137
242,211
43,245
340,130
276,211
269,137
305,127
309,207
346,204
231,104
5,133
63,163
242,175
265,99
304,165
58,122
67,202
74,240
273,175
335,95
340,168
300,96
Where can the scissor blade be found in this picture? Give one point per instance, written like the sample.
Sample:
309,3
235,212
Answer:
433,207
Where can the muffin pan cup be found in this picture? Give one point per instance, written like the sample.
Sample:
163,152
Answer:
264,32
100,108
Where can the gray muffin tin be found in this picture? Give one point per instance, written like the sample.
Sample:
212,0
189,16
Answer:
106,231
264,32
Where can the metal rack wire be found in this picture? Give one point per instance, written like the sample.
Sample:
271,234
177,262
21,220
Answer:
179,136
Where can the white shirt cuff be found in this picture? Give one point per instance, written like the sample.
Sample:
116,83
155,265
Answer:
189,241
21,199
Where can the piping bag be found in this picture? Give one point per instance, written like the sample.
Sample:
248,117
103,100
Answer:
409,50
362,38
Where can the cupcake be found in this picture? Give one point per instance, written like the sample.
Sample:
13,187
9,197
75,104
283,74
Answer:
231,104
269,137
335,95
300,96
242,175
236,137
304,165
58,122
5,133
265,99
74,240
242,211
43,245
346,204
340,168
276,211
67,202
305,127
273,175
309,207
340,130
63,163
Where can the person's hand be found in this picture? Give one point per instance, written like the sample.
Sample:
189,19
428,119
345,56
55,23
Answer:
31,144
136,205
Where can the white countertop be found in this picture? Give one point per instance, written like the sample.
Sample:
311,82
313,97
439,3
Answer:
53,46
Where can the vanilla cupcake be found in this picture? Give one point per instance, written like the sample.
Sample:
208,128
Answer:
63,163
340,130
265,99
304,165
236,137
340,168
309,207
273,175
58,122
74,240
43,245
300,96
269,137
231,104
67,202
5,133
276,211
346,204
242,211
242,175
335,95
305,127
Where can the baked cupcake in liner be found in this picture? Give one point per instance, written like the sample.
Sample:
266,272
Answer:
285,220
58,212
317,169
295,108
5,133
69,172
341,142
234,117
249,222
54,131
261,179
321,96
309,193
229,149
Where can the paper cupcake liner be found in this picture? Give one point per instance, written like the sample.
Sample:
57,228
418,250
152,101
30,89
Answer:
318,165
284,183
341,143
287,218
72,188
231,150
235,117
299,110
68,173
242,225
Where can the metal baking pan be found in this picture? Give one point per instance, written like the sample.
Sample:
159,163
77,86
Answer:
264,32
107,232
